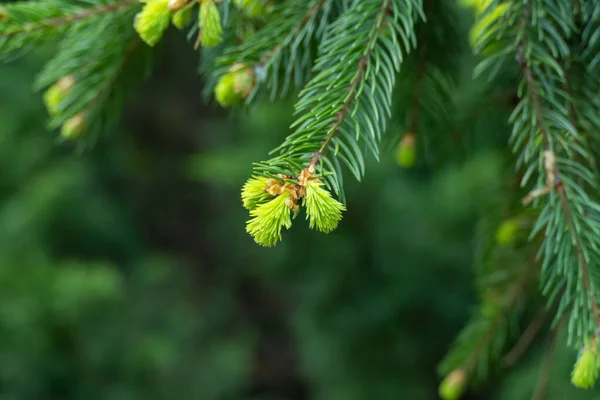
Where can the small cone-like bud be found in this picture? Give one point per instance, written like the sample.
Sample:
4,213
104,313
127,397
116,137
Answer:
269,219
66,83
406,154
453,385
224,92
323,211
585,371
235,85
253,192
73,127
507,232
153,21
56,94
243,80
210,24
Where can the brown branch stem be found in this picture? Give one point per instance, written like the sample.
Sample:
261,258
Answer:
530,333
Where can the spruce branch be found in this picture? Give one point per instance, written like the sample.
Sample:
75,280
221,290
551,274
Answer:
296,32
352,91
507,273
425,101
54,22
549,147
348,101
27,23
482,340
282,47
554,176
100,71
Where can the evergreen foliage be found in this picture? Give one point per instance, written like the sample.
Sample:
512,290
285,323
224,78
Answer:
357,69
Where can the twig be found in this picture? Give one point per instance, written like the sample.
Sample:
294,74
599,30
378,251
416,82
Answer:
487,337
273,52
560,190
530,333
57,21
354,85
541,386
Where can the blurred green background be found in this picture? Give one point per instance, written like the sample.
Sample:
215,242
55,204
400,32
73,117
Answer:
126,273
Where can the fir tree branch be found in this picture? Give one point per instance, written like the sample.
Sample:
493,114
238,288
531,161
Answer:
348,101
102,68
293,34
350,95
282,46
54,22
111,80
557,184
549,146
506,272
492,328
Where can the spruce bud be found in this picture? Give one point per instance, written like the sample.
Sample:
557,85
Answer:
235,85
73,127
57,92
153,20
507,232
453,385
406,154
585,371
209,23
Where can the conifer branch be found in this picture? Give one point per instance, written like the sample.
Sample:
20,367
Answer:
557,184
356,81
477,344
507,272
54,22
283,46
492,328
547,144
98,71
348,101
116,73
294,33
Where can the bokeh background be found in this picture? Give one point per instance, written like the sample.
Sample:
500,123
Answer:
126,272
